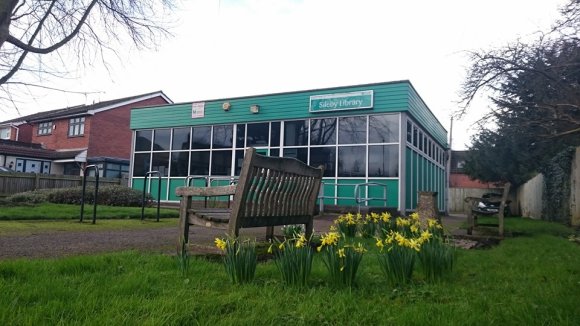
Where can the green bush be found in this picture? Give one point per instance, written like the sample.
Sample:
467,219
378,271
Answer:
114,195
30,197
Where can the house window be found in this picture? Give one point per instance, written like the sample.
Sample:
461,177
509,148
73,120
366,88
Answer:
45,128
76,126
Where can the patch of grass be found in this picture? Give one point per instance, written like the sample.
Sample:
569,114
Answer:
46,211
528,280
28,227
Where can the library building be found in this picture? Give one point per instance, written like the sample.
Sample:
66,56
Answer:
379,143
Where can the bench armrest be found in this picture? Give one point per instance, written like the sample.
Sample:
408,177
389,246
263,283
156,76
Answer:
206,191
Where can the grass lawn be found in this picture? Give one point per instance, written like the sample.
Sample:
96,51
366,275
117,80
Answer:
532,279
46,211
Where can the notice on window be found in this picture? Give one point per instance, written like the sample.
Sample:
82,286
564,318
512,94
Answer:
197,110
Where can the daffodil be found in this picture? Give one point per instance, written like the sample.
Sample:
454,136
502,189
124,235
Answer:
341,253
385,216
220,243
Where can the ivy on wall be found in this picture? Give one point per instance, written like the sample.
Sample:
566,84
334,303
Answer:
556,199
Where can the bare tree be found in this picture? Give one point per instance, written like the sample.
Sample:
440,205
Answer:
32,29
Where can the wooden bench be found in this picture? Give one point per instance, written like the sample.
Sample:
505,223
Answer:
271,191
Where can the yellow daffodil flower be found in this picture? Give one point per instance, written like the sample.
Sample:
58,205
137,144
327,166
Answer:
220,244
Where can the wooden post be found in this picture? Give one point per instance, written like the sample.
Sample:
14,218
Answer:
36,181
506,191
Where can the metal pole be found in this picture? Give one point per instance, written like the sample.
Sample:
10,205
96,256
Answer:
87,168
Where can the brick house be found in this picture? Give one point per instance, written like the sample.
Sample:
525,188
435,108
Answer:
63,141
457,176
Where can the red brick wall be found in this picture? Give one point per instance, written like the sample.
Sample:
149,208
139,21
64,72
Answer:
460,180
59,138
110,132
24,133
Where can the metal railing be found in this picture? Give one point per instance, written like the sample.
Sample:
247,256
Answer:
87,168
356,193
158,193
208,182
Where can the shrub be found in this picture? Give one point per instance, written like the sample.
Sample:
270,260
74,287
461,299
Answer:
114,195
29,197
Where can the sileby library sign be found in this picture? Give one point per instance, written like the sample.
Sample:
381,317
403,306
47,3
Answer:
341,101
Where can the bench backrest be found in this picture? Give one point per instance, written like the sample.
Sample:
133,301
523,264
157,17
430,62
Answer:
272,190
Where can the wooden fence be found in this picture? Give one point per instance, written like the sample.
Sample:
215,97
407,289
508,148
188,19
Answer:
13,183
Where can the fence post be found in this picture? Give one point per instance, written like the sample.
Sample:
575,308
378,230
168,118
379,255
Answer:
36,181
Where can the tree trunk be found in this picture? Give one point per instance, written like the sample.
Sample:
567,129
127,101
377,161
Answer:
6,7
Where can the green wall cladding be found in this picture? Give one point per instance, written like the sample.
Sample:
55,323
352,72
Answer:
397,96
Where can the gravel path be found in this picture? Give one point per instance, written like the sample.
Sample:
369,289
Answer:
164,240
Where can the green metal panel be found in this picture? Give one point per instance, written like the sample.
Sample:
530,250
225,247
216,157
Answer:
415,180
137,184
377,192
346,189
388,97
153,184
408,178
173,184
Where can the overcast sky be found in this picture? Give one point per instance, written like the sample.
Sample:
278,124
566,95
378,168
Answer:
232,48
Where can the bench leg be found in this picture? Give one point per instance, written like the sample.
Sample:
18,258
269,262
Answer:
309,227
184,206
269,232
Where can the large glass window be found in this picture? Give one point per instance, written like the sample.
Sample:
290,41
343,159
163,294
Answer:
384,128
160,162
200,137
295,133
199,163
221,163
409,132
143,139
351,161
179,164
161,139
181,138
44,128
352,130
298,153
325,156
258,134
222,136
76,126
415,136
323,131
141,164
384,161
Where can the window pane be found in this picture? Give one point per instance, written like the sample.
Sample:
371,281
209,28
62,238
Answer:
325,156
323,132
415,136
199,163
221,163
143,140
141,164
181,138
238,162
352,130
409,132
200,137
275,134
275,152
161,139
222,136
384,128
420,141
160,162
298,153
295,133
258,134
351,161
179,164
240,136
383,161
